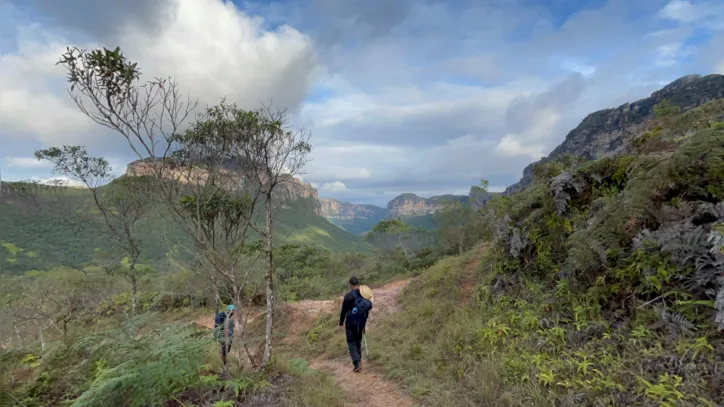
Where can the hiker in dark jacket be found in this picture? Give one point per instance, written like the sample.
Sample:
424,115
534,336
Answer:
223,324
354,322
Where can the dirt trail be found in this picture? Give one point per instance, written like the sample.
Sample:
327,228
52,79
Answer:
368,388
468,277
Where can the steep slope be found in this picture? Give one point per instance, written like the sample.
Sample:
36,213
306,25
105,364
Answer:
603,286
611,131
354,218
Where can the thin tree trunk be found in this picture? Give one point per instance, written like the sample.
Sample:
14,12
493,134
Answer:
217,299
134,291
42,340
17,333
402,246
266,358
240,327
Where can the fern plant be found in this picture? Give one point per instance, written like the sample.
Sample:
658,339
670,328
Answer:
563,186
145,362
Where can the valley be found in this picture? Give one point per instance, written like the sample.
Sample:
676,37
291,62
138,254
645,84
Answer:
596,280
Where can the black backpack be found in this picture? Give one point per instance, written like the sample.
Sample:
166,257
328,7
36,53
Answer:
219,320
357,316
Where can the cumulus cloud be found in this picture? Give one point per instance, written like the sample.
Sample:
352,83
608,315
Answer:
31,102
406,96
707,13
669,54
98,19
531,120
209,46
332,187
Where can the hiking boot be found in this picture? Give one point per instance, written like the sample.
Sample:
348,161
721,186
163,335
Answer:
357,367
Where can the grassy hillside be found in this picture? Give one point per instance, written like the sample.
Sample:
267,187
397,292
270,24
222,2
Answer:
68,231
603,285
355,226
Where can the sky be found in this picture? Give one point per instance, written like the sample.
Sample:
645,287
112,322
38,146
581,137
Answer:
421,96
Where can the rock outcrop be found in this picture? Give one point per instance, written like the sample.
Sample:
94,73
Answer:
334,209
289,190
611,131
413,205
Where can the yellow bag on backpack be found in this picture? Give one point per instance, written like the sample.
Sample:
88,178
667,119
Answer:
367,293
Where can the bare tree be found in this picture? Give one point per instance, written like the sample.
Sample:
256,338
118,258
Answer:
122,204
105,86
213,175
276,154
249,154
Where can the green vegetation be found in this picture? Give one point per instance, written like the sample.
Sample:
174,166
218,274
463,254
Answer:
602,284
145,361
603,287
355,226
35,239
427,222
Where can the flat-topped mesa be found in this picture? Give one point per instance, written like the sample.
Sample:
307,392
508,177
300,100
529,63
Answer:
289,189
611,131
413,205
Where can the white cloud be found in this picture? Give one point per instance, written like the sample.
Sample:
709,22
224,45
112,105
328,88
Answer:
333,187
28,106
707,13
26,162
510,145
59,181
211,48
669,54
574,65
681,10
720,68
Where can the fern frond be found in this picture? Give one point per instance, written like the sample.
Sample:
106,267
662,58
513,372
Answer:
562,186
677,321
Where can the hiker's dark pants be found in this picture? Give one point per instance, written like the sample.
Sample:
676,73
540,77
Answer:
225,349
354,342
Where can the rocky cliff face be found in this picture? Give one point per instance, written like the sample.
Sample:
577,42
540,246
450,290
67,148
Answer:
413,205
611,131
334,209
289,190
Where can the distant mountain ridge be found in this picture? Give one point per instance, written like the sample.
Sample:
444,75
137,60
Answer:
418,211
412,205
610,131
